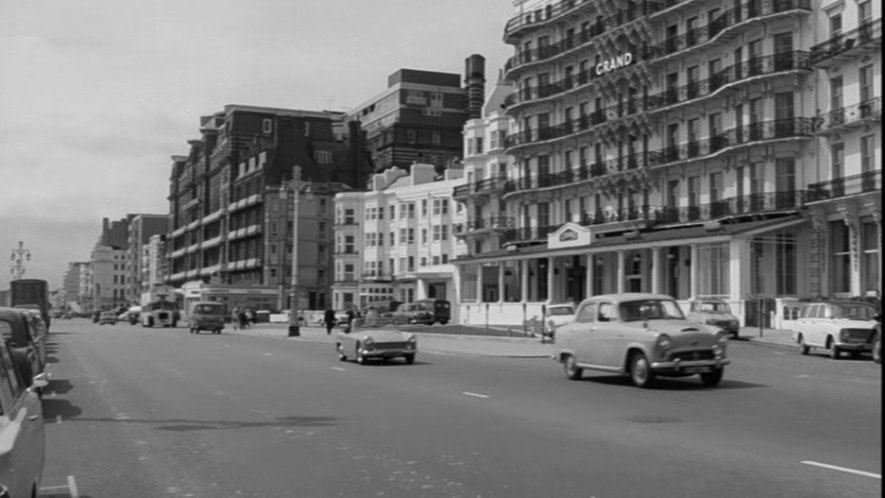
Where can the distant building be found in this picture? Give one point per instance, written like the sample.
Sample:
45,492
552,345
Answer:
73,283
141,228
397,241
418,118
107,285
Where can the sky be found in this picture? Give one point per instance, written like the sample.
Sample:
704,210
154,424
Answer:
96,95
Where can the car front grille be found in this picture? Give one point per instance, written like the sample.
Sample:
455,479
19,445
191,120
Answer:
858,335
706,354
389,345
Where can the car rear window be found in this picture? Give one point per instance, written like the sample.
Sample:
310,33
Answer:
207,308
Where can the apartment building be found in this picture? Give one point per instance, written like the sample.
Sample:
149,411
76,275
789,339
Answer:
107,285
141,228
71,284
418,118
231,197
678,147
396,242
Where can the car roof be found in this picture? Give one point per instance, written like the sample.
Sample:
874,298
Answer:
561,305
627,296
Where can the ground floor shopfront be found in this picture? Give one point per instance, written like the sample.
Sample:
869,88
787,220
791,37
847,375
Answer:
756,266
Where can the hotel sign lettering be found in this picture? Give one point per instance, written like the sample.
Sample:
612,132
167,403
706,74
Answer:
568,235
615,62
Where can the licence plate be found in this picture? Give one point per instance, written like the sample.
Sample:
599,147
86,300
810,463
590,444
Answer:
696,370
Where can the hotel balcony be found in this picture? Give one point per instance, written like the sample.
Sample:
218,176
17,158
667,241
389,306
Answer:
481,189
528,234
846,118
866,38
347,223
871,181
243,232
244,203
729,140
214,241
484,226
209,218
178,253
724,27
376,278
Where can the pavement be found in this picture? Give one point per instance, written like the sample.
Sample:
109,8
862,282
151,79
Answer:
485,345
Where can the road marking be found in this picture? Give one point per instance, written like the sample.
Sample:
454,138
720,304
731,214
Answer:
72,487
268,354
339,369
843,469
475,395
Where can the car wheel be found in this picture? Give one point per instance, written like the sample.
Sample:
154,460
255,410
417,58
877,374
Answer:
835,352
640,371
877,353
572,370
804,349
712,379
341,355
410,358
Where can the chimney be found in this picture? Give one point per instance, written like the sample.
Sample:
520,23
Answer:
475,81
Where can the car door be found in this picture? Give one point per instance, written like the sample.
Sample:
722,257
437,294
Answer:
810,327
583,333
607,333
22,436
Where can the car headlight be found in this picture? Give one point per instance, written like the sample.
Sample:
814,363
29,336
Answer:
413,339
663,342
719,349
368,342
721,338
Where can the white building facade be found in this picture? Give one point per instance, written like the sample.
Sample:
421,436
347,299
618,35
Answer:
397,241
684,148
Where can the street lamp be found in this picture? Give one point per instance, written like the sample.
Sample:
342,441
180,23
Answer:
294,305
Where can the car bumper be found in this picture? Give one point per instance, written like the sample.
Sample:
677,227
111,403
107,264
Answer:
688,367
855,346
386,353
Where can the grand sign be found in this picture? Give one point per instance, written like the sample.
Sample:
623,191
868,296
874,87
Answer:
569,235
616,62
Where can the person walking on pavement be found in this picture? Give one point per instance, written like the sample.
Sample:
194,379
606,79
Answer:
250,318
235,317
329,318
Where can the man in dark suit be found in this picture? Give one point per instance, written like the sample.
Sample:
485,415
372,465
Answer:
329,318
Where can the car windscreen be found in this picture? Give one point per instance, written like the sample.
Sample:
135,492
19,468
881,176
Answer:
560,311
650,309
714,307
209,308
853,311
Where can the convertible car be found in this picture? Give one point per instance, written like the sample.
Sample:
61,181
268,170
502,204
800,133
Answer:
373,337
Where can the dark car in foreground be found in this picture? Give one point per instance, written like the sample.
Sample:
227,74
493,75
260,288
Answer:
643,336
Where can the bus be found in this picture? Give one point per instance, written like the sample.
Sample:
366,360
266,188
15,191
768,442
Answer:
30,293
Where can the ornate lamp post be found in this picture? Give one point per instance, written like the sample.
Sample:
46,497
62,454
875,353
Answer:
19,256
294,305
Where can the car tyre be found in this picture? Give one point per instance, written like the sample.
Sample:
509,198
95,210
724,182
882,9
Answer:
712,379
341,355
835,352
877,351
571,368
804,349
640,371
410,359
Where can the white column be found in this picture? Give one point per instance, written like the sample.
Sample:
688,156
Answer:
693,273
501,282
524,279
589,278
479,297
621,271
550,279
656,272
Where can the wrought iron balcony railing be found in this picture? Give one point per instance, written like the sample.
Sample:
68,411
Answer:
868,110
865,34
870,181
485,186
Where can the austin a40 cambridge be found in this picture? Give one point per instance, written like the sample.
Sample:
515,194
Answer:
642,335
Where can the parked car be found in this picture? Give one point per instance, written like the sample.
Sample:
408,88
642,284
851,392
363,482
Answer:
836,326
22,434
558,315
439,308
19,331
372,338
39,332
412,313
877,339
714,312
107,317
207,315
642,335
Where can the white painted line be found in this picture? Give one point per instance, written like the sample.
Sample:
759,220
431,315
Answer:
475,395
268,354
843,469
339,369
72,487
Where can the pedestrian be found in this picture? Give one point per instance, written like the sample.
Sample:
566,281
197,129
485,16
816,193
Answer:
235,317
329,319
250,318
241,316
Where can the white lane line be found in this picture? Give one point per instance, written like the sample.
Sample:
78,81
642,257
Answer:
72,487
475,395
339,369
843,469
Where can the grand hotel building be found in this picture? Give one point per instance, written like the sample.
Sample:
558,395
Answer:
725,149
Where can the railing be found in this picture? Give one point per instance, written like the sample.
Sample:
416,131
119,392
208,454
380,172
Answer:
347,223
695,149
747,11
344,252
527,233
870,181
492,223
481,186
376,276
867,110
865,33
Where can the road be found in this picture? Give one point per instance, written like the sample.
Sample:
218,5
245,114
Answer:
135,412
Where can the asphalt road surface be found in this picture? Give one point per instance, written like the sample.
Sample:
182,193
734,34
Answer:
134,412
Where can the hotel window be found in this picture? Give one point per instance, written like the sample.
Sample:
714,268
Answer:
411,239
866,89
837,155
715,187
835,25
713,270
869,256
836,96
424,208
266,126
436,233
349,244
867,146
469,277
392,239
840,250
437,138
348,272
445,232
543,214
411,263
785,254
410,136
424,236
411,210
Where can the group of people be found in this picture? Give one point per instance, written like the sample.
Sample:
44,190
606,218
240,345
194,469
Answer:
242,318
330,320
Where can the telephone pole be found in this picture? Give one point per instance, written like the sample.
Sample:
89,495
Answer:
19,256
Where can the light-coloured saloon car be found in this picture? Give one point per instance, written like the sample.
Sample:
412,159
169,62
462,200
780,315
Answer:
558,315
373,337
837,326
714,312
642,335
